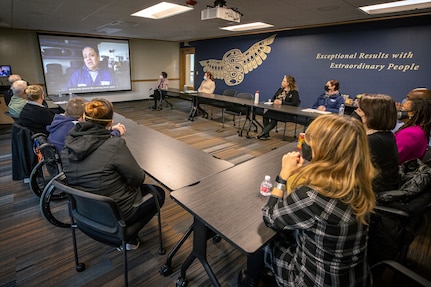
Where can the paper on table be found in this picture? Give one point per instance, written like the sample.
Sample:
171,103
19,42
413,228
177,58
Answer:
315,111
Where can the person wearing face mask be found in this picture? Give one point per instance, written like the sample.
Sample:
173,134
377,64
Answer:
208,85
331,100
99,163
321,214
418,93
413,136
161,87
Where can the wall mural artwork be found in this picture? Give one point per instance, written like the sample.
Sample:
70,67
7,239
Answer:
235,64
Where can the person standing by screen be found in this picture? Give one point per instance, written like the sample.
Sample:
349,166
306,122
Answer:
91,74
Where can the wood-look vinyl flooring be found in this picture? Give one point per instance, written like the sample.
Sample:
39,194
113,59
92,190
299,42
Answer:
35,253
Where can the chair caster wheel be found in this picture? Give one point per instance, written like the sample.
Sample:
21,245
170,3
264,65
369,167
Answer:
216,238
181,282
80,267
165,270
162,251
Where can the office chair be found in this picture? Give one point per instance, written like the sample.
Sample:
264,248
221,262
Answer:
23,157
238,110
49,164
163,97
100,218
401,273
289,119
229,93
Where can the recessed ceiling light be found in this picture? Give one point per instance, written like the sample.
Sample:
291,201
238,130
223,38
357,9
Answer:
397,6
162,10
249,26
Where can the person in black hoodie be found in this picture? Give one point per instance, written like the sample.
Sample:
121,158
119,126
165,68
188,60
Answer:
97,162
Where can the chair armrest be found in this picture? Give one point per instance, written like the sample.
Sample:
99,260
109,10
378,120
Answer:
391,210
403,270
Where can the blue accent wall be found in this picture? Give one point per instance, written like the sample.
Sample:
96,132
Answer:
373,67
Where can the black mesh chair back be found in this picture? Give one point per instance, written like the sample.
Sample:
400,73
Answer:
100,218
229,93
237,110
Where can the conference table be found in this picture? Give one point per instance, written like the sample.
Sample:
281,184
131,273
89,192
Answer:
229,204
171,162
255,108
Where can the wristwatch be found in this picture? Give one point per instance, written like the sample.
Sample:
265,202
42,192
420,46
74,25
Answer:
278,179
280,186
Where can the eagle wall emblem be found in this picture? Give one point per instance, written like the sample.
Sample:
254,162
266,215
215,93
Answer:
236,64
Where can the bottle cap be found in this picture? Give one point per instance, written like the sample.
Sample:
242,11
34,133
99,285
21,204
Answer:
267,177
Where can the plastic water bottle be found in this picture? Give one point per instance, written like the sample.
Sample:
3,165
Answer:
60,94
256,97
341,110
266,186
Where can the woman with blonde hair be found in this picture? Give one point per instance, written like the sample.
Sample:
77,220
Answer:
34,115
323,221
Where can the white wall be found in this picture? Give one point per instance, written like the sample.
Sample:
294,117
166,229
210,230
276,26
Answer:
20,49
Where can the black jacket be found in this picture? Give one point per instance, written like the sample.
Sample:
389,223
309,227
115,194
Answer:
96,162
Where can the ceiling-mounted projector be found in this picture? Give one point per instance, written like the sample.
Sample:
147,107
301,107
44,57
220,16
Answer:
223,13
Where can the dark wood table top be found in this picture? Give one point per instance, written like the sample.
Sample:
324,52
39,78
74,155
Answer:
293,110
170,161
230,203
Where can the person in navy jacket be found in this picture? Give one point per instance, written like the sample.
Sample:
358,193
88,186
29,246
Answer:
331,100
91,75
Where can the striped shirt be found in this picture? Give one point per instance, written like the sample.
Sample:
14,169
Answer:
331,243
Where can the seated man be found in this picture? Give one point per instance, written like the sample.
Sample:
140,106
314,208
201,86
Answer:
8,95
19,98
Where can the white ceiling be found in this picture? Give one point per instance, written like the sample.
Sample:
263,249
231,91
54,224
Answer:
112,17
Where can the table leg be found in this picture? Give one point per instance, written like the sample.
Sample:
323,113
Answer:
193,109
200,236
166,269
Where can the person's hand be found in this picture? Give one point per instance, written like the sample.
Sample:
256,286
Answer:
277,102
290,164
119,127
321,108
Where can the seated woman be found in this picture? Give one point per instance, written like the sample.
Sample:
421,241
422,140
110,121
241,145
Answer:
379,115
286,95
323,218
207,86
161,87
97,162
413,136
34,115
